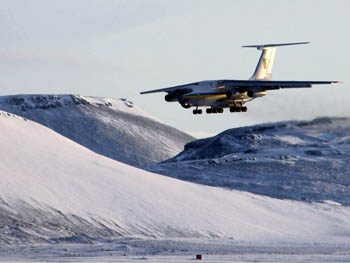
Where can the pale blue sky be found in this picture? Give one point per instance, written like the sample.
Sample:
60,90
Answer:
119,48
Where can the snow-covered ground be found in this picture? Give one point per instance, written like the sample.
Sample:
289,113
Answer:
177,252
55,191
299,160
115,128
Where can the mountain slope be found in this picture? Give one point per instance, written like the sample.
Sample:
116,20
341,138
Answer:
111,127
54,190
305,160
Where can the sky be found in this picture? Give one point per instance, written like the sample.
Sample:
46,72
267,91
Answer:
119,48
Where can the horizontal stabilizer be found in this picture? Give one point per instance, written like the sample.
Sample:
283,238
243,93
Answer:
276,45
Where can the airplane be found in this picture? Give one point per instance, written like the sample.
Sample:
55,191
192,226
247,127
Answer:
233,94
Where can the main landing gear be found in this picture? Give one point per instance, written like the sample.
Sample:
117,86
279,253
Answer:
239,109
221,110
214,110
197,111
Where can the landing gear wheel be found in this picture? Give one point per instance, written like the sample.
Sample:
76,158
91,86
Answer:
232,109
197,111
214,110
238,109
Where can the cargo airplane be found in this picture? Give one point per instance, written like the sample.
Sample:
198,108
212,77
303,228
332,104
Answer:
233,94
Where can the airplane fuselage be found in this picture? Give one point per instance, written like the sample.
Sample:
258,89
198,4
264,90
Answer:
213,94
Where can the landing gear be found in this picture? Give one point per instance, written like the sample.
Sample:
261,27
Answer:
214,110
238,109
197,111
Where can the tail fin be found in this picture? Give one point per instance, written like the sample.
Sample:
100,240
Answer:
263,70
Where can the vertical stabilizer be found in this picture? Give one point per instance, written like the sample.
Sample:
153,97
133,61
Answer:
263,70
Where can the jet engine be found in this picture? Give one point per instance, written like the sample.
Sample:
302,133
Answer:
170,97
252,94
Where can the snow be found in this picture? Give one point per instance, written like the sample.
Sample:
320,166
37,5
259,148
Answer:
180,252
207,258
41,170
115,128
121,104
299,160
291,139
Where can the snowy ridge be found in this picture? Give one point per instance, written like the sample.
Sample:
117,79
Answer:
121,104
54,190
47,101
115,128
301,160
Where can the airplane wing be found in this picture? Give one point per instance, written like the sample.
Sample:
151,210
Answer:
174,88
243,85
271,84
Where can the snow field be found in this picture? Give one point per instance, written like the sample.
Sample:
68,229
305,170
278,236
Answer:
46,170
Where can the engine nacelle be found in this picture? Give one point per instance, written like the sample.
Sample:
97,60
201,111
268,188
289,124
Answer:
252,94
170,98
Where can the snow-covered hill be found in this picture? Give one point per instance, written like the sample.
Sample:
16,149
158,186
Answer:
55,190
111,127
305,160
